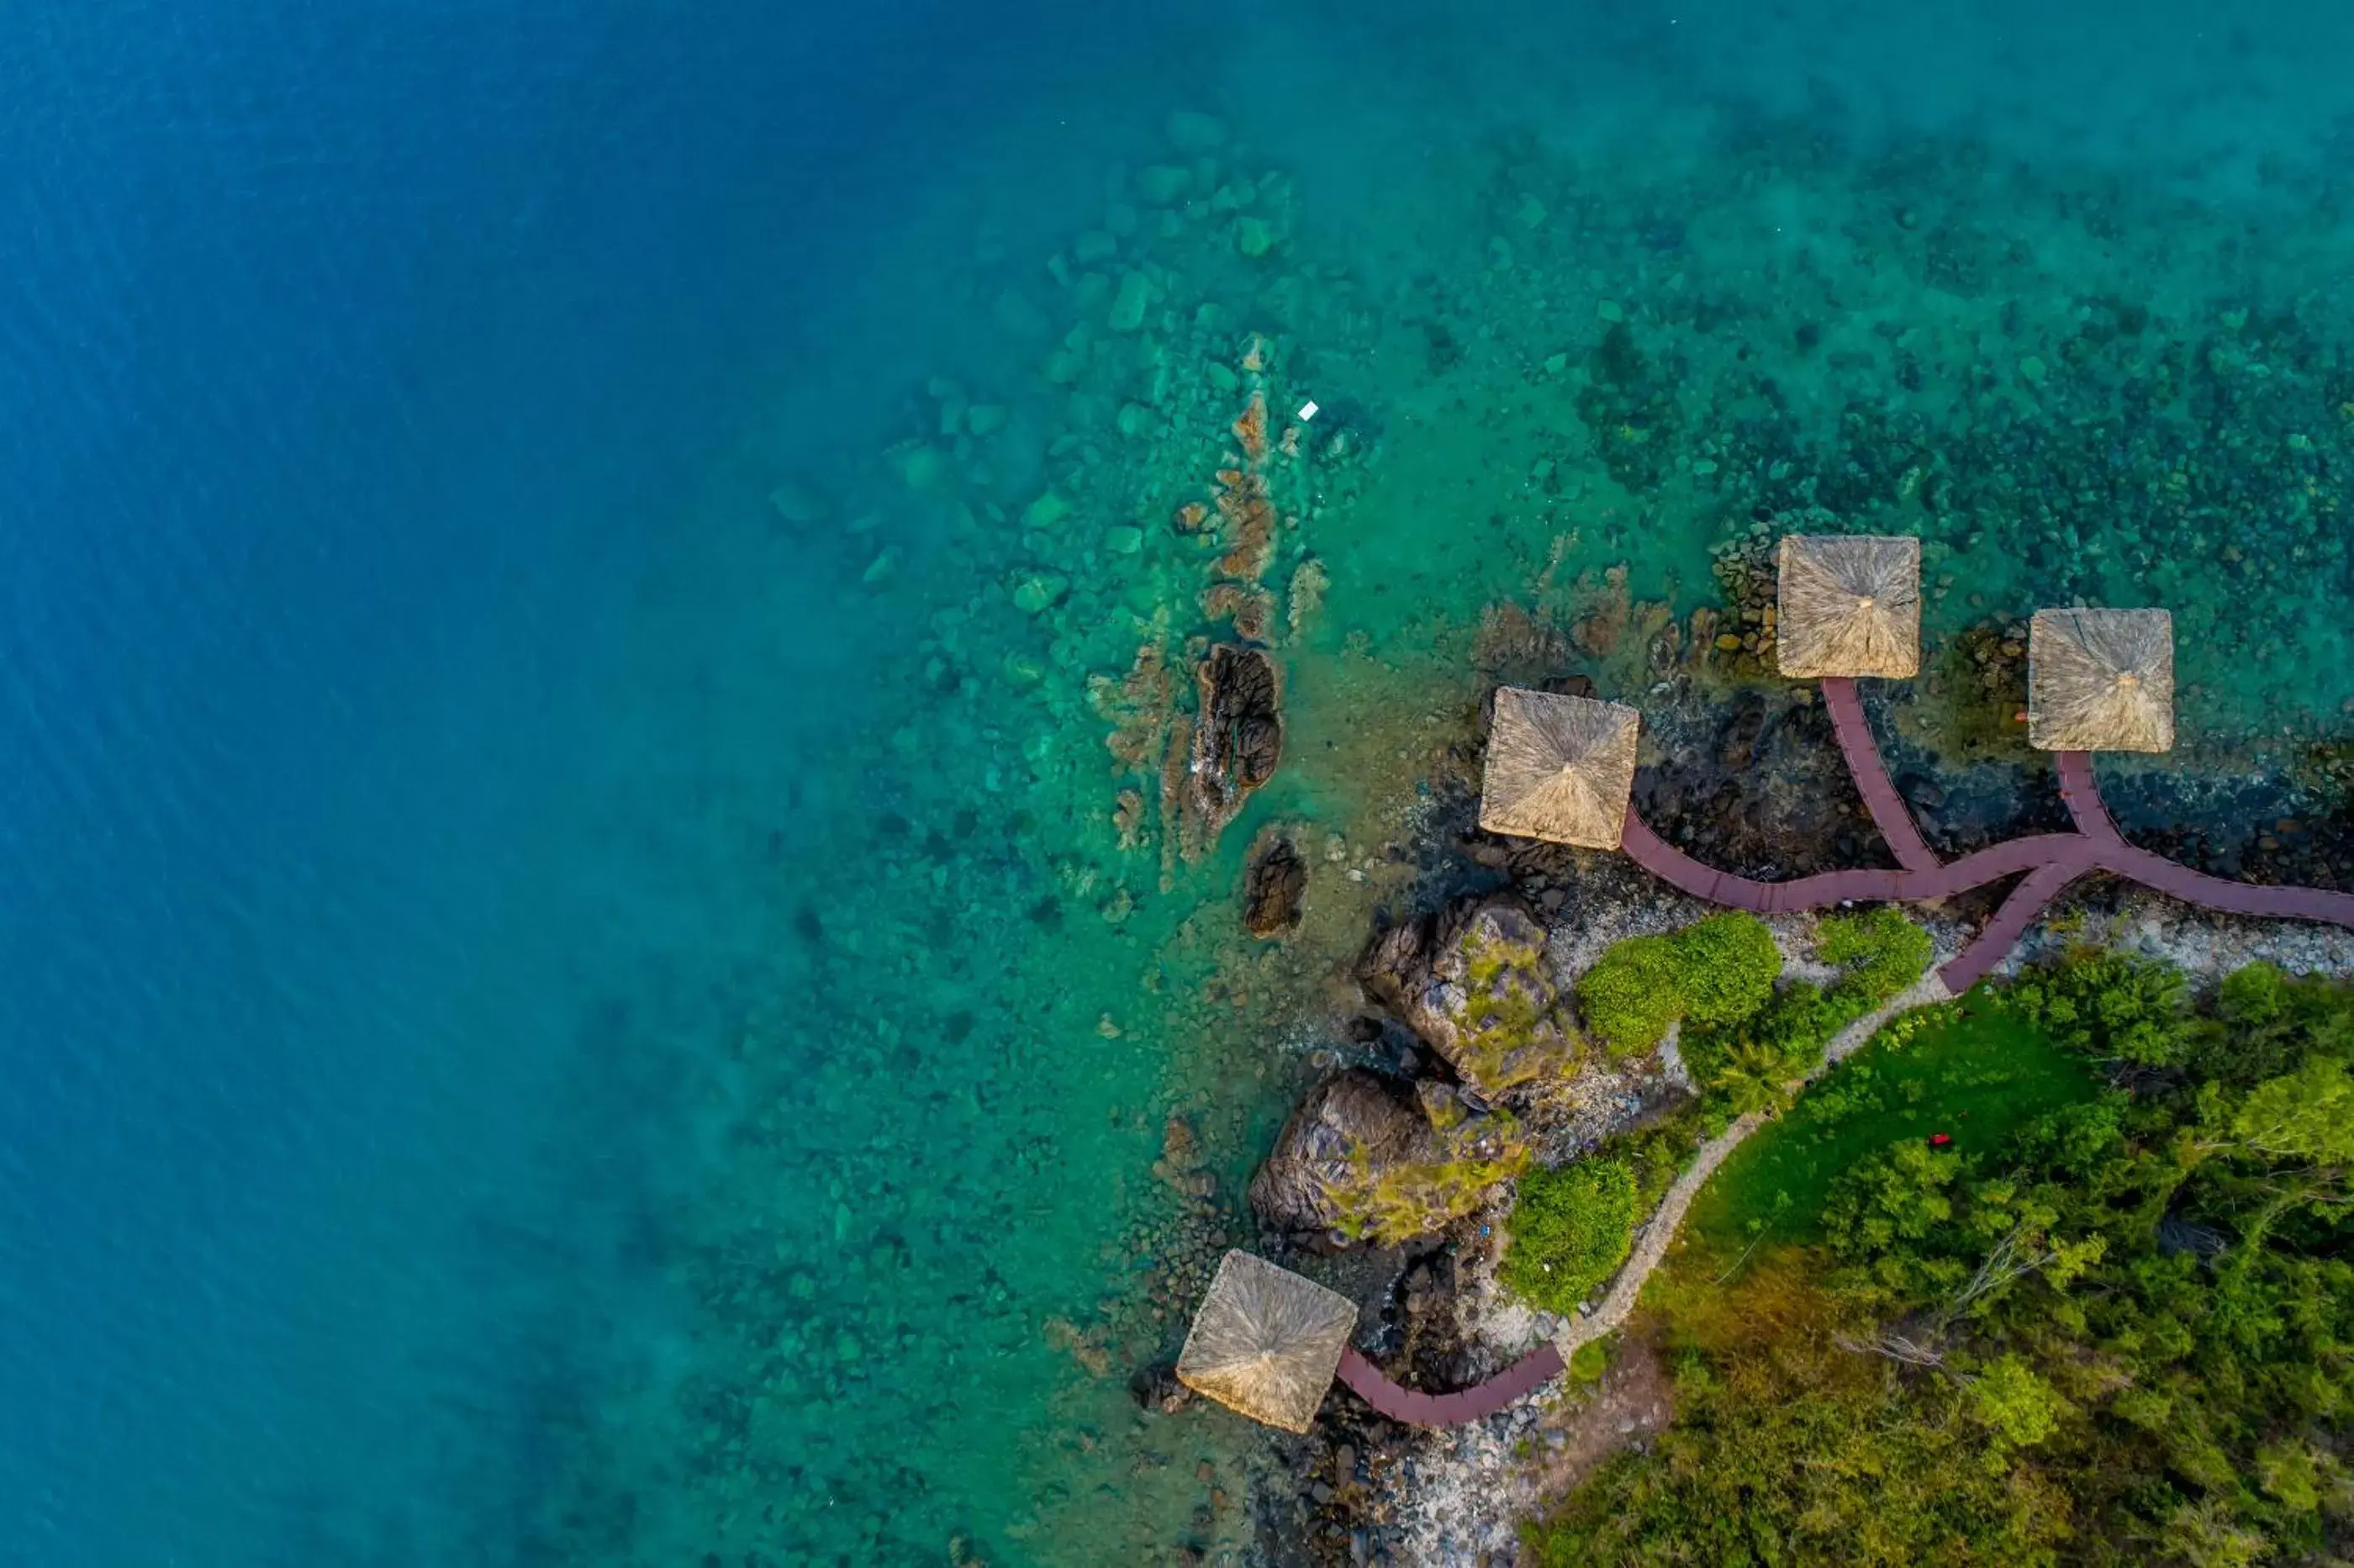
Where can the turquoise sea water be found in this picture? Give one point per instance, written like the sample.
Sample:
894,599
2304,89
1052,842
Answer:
564,1010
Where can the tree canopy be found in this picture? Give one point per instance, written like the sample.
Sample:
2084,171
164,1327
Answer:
2123,1334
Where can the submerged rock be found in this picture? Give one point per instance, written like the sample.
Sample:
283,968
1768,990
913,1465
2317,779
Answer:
1040,591
800,502
1135,297
1020,316
1273,885
1474,984
921,467
1048,510
1164,184
1157,1390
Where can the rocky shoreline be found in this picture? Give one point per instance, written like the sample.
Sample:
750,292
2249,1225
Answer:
1390,1180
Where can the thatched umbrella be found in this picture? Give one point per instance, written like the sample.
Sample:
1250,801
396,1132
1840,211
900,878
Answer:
2100,680
1559,769
1265,1341
1848,604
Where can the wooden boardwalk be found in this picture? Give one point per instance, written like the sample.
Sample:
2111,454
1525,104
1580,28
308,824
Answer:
2045,863
1871,775
1507,1388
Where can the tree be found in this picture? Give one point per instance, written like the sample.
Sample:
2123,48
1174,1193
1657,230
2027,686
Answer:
2016,1405
2109,1004
2043,1346
2305,1115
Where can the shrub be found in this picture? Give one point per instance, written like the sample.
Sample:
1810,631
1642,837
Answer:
1880,952
1728,962
1570,1230
1753,1060
1591,1360
1656,1154
1632,994
1716,971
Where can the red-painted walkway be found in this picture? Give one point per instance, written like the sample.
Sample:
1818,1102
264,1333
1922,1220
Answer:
1880,796
1524,1376
2051,861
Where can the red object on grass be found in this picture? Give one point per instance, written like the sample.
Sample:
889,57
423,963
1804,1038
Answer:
1939,1140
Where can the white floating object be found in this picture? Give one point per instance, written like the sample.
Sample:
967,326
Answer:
1308,410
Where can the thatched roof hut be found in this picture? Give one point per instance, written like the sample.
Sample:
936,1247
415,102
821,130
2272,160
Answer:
2100,680
1559,769
1265,1341
1848,604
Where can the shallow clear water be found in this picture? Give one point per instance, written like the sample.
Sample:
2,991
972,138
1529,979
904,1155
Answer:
563,1011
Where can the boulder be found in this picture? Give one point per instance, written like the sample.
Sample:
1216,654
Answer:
1361,1163
1157,1390
1238,739
1396,965
1474,984
1350,1126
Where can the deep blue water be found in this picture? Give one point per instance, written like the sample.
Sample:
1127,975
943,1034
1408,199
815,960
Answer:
354,359
369,374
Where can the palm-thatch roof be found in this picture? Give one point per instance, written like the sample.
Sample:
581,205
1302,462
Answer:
1265,1341
1848,604
1559,769
2100,680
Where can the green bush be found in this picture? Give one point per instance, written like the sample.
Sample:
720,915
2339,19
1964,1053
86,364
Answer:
1589,1362
1632,994
1753,1060
1658,1153
1880,952
2108,1004
1728,962
1570,1230
1717,971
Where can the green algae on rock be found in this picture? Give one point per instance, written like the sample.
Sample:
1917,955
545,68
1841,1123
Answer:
1397,1203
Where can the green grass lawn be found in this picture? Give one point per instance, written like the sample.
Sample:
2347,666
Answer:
1979,1076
